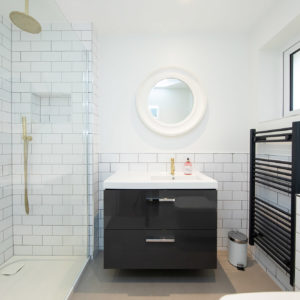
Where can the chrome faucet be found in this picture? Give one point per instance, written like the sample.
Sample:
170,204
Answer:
172,167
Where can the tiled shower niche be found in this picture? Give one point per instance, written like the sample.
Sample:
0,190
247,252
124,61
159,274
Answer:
51,109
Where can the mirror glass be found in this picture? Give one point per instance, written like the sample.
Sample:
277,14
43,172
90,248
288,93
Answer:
170,101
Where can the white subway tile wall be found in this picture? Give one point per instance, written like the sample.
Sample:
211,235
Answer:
232,196
94,148
6,229
52,87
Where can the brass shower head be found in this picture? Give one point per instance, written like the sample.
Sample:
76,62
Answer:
24,21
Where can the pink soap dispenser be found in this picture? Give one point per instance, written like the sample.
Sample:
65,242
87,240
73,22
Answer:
188,169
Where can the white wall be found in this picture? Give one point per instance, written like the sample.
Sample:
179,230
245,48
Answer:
274,34
221,65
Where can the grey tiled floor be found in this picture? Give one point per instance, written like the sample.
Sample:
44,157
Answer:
97,283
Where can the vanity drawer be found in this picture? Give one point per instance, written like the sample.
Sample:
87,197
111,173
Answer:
160,209
157,249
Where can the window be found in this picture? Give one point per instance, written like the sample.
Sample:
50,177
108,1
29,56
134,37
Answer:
295,80
292,80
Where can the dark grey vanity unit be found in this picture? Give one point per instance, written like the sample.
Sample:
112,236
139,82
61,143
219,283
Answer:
160,229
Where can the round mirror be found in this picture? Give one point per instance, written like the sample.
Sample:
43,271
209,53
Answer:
170,101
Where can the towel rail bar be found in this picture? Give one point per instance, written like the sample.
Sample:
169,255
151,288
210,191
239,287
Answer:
271,227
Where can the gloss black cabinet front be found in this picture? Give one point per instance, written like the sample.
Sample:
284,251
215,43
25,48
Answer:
160,229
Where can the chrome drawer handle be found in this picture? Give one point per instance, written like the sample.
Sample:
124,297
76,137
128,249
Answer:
161,199
163,240
166,199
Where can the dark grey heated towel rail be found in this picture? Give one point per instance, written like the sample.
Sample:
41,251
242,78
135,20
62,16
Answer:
270,227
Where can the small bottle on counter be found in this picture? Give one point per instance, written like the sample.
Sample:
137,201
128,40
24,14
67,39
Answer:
188,169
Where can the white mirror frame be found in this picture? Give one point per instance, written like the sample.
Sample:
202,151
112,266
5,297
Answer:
196,115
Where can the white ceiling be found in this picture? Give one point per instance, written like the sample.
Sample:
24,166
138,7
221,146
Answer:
150,16
167,16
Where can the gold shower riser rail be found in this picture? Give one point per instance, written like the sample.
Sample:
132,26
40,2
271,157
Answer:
26,140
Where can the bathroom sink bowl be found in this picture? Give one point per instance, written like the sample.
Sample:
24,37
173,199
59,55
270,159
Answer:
163,180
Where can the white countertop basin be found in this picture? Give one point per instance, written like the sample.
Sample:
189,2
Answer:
159,180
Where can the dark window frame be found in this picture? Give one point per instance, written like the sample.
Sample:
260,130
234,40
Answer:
292,79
